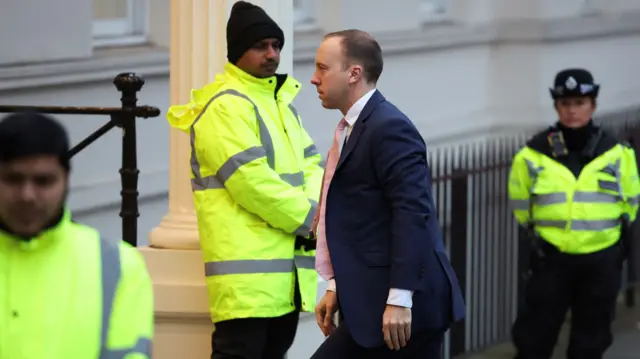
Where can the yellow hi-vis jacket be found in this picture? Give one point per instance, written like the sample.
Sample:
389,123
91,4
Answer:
68,293
577,215
255,176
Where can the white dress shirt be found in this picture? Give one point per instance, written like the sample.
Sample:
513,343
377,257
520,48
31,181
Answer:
399,297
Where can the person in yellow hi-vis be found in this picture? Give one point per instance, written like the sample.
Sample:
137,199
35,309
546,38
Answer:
575,188
65,292
256,177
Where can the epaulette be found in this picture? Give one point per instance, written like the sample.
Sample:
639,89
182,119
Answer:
626,143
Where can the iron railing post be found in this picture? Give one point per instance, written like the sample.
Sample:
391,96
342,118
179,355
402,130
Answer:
129,84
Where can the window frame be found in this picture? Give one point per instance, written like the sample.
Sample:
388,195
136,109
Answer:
426,7
303,16
590,7
130,30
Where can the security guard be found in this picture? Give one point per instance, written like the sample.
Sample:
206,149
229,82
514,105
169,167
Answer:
256,180
65,292
575,188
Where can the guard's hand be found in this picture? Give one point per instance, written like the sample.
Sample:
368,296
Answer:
325,312
396,326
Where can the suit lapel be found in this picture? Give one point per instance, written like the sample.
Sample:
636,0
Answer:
359,126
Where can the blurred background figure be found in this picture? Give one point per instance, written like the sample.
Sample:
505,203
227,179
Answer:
65,291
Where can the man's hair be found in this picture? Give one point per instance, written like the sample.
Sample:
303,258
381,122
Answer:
361,48
28,134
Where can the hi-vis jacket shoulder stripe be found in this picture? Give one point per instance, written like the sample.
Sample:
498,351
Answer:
199,183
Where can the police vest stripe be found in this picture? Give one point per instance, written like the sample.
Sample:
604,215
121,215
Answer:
548,199
111,273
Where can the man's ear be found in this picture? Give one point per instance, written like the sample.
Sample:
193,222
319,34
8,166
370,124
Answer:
355,73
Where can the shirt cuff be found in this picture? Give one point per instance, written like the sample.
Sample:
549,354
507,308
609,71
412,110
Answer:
332,285
400,297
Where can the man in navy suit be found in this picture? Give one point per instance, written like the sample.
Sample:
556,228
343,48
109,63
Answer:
388,271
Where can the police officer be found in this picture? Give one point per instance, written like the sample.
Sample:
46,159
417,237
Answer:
65,292
574,186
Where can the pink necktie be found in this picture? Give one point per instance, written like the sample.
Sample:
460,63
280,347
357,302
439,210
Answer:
323,260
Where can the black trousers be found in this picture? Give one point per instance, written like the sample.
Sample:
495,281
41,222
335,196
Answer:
340,345
586,284
256,338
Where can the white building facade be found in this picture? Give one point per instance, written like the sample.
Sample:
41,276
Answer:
460,69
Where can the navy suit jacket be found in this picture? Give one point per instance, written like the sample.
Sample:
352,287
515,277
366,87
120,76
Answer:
382,230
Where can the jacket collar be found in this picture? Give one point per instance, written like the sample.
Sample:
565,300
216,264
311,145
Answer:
289,89
50,234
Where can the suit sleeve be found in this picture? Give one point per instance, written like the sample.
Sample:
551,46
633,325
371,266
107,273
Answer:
519,189
399,157
229,146
132,319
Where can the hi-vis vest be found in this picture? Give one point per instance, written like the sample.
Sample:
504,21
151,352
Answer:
255,178
580,215
70,294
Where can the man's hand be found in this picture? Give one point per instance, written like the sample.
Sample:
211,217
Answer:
396,326
325,311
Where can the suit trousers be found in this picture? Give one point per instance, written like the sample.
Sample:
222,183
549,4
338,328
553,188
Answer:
256,338
340,345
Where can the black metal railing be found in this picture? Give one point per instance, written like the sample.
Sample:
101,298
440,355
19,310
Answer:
470,190
129,84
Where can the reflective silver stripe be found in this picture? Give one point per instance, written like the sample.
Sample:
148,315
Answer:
595,197
579,225
311,150
619,178
578,197
248,266
519,204
594,225
142,346
212,182
549,198
295,113
306,262
610,186
550,223
294,179
111,273
238,160
209,182
613,169
265,139
561,197
534,171
633,200
305,228
254,266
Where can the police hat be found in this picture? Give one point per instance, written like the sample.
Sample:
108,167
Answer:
574,83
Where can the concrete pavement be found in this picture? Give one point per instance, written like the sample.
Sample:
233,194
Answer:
626,343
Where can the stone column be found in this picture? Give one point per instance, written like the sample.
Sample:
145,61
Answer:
198,52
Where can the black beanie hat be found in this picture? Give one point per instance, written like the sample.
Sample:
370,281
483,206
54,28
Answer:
27,134
247,25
